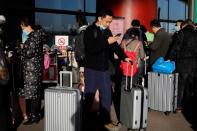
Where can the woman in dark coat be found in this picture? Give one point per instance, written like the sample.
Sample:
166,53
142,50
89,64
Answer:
32,53
5,121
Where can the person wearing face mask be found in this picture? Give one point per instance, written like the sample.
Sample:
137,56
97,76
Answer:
174,37
100,45
24,36
32,53
18,62
178,25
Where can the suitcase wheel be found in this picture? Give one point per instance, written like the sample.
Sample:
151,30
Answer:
167,113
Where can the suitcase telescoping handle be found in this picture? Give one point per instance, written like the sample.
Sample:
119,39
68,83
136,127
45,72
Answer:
145,69
131,81
61,78
145,64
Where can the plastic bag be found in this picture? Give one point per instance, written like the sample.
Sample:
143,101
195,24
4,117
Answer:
162,66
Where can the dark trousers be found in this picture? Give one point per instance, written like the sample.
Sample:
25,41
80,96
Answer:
186,85
98,80
5,120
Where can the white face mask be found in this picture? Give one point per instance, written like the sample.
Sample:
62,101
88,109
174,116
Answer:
177,28
102,27
24,35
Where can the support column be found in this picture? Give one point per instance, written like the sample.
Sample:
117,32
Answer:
191,9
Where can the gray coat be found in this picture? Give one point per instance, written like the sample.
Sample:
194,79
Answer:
160,45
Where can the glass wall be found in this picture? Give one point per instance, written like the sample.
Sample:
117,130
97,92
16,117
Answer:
170,12
65,20
73,5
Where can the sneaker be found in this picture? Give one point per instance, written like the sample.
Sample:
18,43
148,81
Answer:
118,124
111,127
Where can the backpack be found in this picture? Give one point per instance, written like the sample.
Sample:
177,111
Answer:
79,48
127,67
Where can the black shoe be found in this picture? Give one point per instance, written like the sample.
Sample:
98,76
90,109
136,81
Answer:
33,119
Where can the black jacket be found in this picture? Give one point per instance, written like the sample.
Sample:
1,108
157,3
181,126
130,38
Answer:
184,50
98,51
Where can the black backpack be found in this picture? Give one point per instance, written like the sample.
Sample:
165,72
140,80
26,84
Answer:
79,48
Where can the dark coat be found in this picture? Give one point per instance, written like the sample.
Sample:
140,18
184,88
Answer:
32,64
160,45
184,50
98,51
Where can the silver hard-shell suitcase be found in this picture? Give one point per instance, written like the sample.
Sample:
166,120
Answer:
162,90
134,105
62,106
62,109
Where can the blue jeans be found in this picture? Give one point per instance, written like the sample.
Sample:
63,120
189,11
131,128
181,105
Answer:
98,80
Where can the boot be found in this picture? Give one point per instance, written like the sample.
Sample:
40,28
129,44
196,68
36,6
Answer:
35,110
36,105
28,107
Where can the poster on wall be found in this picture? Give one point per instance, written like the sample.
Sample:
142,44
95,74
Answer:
117,27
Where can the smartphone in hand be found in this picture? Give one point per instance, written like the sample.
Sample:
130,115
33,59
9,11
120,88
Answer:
119,34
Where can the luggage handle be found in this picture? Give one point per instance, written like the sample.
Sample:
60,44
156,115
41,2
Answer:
61,78
131,81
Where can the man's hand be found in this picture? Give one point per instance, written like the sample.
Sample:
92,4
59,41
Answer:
21,46
112,39
128,60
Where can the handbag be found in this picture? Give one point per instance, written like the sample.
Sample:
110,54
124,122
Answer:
124,64
4,74
162,66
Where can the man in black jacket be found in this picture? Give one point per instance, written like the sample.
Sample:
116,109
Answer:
184,52
99,48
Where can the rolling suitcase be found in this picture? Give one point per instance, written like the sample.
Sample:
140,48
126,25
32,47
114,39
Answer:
62,107
134,105
162,90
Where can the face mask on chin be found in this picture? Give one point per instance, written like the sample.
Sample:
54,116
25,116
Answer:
102,27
